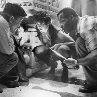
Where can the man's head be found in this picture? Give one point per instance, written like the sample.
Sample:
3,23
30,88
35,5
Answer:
14,14
68,19
28,22
42,20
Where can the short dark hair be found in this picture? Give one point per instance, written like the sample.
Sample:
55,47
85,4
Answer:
14,10
42,16
67,12
26,21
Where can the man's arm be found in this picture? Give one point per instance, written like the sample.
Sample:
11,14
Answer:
65,37
91,58
56,46
6,42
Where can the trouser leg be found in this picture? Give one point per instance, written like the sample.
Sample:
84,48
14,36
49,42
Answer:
21,69
90,75
21,65
53,65
64,77
7,63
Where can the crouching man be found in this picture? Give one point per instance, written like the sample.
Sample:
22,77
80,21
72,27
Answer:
10,20
53,42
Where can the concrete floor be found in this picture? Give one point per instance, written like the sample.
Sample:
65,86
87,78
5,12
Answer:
43,84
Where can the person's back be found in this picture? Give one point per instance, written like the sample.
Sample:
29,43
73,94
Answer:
5,35
10,20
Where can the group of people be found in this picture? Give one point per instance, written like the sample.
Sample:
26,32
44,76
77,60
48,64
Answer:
73,49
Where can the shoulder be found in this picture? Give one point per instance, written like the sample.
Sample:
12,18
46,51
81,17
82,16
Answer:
63,36
87,21
3,22
86,24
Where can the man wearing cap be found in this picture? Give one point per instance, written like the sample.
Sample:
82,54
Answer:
10,20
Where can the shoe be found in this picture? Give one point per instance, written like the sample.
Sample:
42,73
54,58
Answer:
1,90
11,82
64,77
88,89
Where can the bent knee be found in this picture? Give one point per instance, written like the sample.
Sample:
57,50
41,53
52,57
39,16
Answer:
42,53
64,50
40,50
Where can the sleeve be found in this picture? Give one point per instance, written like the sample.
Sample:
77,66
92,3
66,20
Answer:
6,41
91,34
91,40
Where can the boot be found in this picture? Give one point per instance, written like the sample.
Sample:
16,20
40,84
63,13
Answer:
53,67
10,81
1,90
21,71
64,77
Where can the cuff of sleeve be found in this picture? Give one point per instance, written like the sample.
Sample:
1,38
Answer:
75,61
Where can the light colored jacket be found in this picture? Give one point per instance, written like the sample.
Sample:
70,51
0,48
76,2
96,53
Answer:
6,41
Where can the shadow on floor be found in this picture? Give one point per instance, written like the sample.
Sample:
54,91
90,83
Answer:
57,77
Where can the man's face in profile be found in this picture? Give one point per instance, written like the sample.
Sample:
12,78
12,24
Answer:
15,23
66,23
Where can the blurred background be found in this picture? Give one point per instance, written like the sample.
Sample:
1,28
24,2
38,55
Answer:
51,6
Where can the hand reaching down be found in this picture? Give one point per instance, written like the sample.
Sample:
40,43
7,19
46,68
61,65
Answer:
70,62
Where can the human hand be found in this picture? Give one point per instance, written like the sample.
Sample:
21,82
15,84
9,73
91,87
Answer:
70,61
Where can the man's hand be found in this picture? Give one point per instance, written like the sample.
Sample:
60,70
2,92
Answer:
70,61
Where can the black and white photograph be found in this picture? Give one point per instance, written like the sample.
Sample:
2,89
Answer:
48,48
